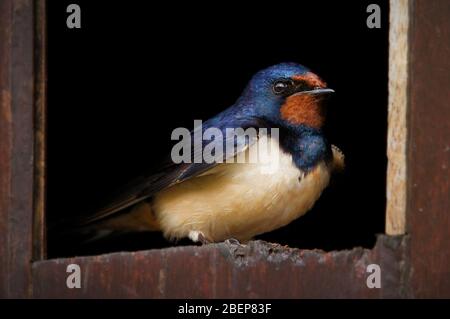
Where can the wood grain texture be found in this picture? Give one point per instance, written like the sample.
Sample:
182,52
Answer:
40,131
397,122
5,141
16,150
428,219
258,270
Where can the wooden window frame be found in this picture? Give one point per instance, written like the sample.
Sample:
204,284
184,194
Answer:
413,254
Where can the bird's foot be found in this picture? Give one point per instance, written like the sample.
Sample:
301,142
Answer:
198,237
336,149
338,163
236,248
232,241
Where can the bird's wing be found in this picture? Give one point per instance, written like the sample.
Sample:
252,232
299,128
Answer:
170,173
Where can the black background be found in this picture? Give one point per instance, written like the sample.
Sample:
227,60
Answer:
118,86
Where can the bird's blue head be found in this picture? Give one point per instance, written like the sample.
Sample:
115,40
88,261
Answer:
287,94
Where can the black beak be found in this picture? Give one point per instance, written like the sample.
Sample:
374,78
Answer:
316,91
321,91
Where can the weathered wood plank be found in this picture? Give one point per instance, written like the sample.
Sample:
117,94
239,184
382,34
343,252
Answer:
5,140
397,117
40,131
259,270
16,150
428,219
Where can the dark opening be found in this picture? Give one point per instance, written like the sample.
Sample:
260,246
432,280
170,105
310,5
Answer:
118,86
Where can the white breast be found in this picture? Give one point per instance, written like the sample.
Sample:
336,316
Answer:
241,200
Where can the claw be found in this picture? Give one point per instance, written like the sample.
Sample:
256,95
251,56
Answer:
232,241
198,236
338,163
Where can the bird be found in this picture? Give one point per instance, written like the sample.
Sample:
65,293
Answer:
216,201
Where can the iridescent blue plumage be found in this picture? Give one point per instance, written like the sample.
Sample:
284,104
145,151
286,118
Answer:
259,107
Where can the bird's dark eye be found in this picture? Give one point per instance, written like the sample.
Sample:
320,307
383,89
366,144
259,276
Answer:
280,87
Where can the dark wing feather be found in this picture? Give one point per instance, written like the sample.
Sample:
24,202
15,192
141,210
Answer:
171,173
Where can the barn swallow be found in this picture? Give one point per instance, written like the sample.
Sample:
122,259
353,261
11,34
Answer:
212,202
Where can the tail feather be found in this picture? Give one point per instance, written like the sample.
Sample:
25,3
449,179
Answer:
137,218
